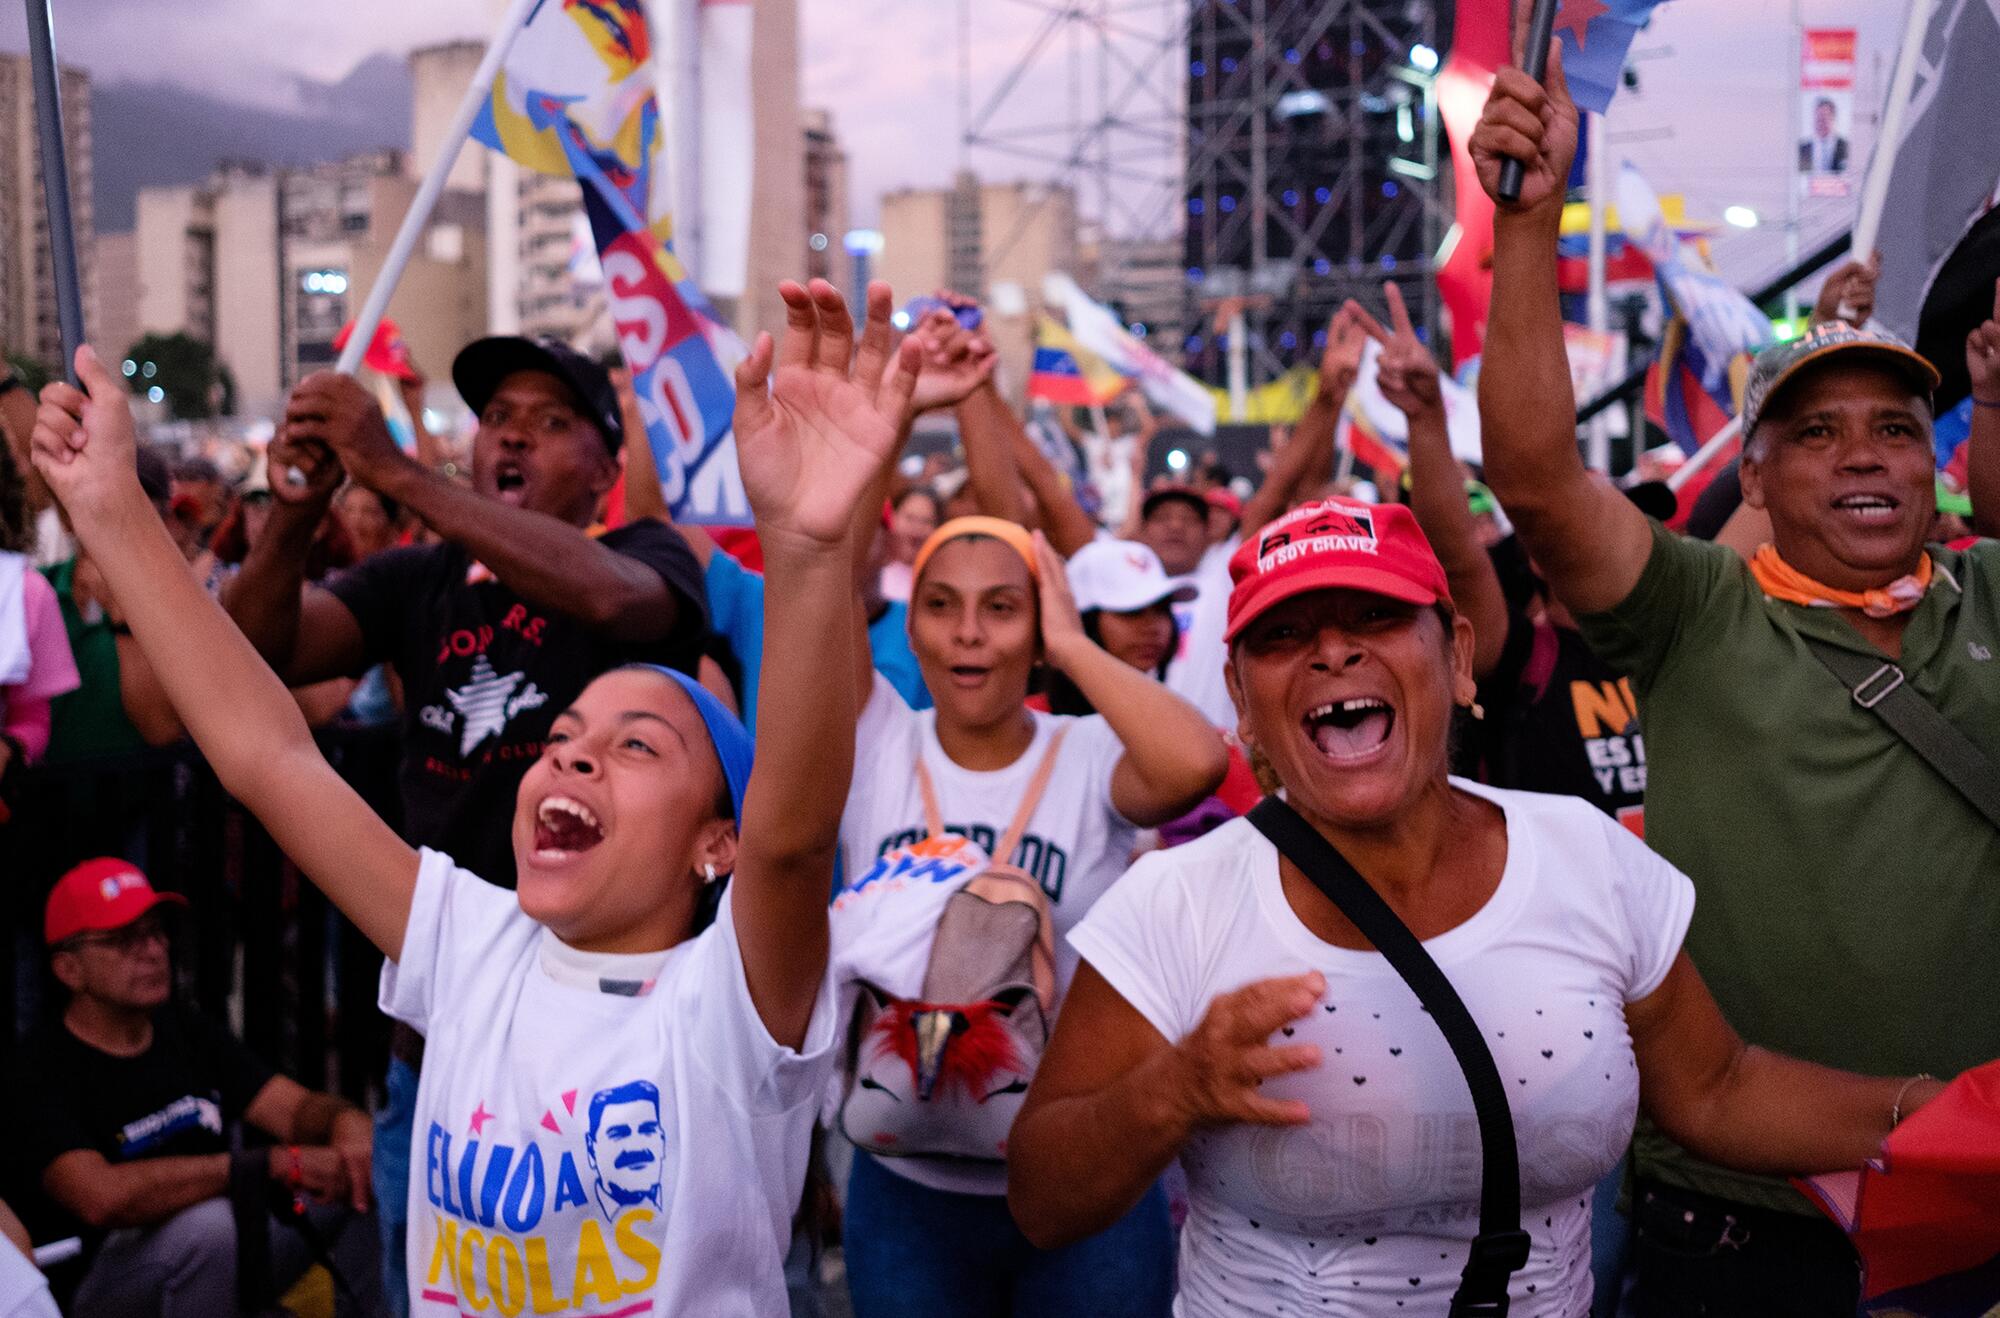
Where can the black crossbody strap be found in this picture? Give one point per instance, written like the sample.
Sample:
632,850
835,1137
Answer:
1501,1247
1884,690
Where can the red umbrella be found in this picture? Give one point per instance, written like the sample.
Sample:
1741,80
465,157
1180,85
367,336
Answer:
1925,1216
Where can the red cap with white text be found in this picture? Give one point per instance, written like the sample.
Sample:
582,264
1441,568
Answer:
1335,544
97,895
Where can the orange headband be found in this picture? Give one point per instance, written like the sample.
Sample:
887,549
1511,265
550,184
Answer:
1007,533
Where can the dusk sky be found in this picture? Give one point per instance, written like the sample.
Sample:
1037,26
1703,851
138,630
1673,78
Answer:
1712,117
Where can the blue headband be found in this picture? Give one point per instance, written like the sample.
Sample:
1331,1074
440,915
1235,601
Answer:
725,731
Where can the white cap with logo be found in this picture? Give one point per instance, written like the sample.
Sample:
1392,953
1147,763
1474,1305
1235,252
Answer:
1122,576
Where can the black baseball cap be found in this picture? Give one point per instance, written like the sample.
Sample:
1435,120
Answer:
1186,493
482,364
1656,499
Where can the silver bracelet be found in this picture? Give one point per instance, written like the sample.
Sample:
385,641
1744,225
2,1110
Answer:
1896,1108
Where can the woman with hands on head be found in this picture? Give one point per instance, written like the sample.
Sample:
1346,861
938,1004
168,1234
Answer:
1229,1014
927,1236
617,1103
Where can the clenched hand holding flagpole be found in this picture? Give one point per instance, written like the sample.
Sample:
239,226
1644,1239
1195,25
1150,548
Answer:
419,214
55,181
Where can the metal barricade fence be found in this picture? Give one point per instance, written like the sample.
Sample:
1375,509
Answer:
259,947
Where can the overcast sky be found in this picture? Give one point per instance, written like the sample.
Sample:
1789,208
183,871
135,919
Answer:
1712,118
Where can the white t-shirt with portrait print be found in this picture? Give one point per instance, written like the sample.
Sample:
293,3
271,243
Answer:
1370,1207
1195,671
594,1134
1076,843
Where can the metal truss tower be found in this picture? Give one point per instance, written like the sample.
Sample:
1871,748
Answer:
1312,169
1095,103
1284,154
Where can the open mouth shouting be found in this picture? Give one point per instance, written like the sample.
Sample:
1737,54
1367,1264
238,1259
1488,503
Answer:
510,482
969,677
1350,729
565,827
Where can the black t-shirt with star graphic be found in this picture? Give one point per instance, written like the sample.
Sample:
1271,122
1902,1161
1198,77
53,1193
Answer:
485,673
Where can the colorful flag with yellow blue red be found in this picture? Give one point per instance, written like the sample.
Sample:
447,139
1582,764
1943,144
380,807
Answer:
1067,373
575,96
1595,35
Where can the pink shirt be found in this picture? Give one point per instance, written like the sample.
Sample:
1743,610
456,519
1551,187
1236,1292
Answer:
24,708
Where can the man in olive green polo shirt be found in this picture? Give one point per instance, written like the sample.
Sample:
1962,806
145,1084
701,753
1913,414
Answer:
1848,898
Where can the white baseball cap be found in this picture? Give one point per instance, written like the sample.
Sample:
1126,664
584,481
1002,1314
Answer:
1122,576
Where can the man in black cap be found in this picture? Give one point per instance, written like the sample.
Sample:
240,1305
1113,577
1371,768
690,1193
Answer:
494,630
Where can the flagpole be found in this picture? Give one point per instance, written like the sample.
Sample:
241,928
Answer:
419,214
1598,307
55,181
687,139
1875,189
1705,453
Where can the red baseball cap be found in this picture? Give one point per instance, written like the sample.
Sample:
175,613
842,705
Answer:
1335,544
100,894
1226,501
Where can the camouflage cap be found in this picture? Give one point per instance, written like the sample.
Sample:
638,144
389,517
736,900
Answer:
1777,364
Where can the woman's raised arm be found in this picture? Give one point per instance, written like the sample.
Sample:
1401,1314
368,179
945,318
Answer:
235,707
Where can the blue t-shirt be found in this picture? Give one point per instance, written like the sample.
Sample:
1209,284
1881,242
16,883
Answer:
736,611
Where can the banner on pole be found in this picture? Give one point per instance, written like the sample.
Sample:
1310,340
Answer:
575,97
728,146
1826,100
1096,327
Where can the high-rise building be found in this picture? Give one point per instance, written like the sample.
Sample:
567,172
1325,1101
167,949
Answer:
28,322
1143,281
826,197
268,265
973,235
116,325
1312,168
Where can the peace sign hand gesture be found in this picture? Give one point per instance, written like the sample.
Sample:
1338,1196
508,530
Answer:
810,444
1407,373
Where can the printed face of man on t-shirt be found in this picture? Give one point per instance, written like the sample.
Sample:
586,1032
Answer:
626,1146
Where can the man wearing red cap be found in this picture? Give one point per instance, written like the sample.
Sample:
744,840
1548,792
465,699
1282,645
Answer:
125,1127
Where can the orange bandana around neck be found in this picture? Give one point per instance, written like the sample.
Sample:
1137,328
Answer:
1780,580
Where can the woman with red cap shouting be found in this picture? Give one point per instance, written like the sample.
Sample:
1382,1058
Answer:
1230,1013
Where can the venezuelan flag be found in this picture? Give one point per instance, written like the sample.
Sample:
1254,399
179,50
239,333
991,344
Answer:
1069,374
575,97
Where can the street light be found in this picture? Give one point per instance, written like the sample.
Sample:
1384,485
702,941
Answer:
1423,59
1740,216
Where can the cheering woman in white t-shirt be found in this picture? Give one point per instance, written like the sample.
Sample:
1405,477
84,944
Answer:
616,1105
1229,1014
925,1236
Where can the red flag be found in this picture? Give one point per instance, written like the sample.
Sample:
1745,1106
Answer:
1927,1212
387,353
1480,45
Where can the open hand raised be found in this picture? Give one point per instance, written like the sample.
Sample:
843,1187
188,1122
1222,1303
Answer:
956,361
1340,363
815,439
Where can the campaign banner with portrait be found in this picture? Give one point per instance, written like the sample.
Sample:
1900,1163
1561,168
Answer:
1826,101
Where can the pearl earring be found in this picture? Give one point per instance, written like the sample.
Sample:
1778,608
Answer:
707,873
